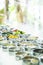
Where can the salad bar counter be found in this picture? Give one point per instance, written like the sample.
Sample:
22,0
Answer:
17,47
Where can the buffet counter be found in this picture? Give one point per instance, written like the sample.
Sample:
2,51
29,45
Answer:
16,47
9,59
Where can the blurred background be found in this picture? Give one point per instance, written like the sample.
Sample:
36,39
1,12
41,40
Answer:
26,15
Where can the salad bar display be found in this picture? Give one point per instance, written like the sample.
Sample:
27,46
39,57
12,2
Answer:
26,47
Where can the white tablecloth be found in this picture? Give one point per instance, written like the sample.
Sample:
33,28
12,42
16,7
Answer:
7,59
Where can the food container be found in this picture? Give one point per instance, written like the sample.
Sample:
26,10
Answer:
38,52
5,47
32,38
27,46
30,44
4,41
11,47
29,60
19,55
5,44
24,35
11,50
42,60
40,43
18,48
20,40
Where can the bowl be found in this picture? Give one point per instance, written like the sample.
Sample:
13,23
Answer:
37,52
29,60
19,55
